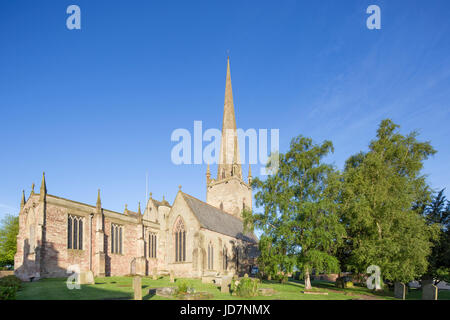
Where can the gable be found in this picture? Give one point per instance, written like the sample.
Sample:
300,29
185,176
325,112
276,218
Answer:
216,220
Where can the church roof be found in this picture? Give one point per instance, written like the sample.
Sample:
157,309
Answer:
214,219
161,203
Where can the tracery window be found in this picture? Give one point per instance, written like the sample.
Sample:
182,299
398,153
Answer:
180,241
75,232
152,245
210,256
116,238
225,258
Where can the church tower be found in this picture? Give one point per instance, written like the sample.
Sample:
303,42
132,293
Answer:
229,191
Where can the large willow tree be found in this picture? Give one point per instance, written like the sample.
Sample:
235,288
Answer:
379,195
300,222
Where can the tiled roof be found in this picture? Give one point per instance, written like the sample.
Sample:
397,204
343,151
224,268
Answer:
214,219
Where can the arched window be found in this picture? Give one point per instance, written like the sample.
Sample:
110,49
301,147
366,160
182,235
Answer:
152,245
210,256
225,258
223,173
116,238
180,241
75,232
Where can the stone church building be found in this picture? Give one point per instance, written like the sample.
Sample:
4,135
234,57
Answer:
189,237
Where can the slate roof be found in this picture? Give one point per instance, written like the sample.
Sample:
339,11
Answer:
214,219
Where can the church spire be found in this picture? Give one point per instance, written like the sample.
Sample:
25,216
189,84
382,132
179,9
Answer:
229,149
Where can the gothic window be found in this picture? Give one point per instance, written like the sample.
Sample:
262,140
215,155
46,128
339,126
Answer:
210,256
116,238
152,245
223,173
75,232
180,241
225,258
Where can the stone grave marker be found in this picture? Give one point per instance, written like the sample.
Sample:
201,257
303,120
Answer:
137,288
400,290
429,292
86,277
225,285
172,276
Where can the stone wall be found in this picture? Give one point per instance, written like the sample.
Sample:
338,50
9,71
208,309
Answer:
231,193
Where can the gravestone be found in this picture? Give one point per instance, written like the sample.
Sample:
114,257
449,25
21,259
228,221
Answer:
225,285
172,276
154,274
429,292
137,288
400,290
87,277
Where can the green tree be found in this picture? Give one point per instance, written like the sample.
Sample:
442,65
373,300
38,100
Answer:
438,213
380,195
300,225
9,229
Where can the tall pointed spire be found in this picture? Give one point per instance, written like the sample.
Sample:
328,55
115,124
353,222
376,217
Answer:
229,149
249,174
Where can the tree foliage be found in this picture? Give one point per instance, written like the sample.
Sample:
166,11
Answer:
300,223
9,229
380,194
437,213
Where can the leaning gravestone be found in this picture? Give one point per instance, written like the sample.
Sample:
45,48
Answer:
400,290
137,288
429,292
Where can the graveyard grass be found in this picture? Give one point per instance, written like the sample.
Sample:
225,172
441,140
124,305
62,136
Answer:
118,288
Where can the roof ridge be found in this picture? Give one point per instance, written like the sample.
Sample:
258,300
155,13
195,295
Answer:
218,209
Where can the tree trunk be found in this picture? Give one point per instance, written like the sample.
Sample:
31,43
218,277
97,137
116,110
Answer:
307,280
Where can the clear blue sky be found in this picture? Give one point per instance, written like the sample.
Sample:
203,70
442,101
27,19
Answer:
95,108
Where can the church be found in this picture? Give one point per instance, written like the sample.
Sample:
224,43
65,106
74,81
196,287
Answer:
189,238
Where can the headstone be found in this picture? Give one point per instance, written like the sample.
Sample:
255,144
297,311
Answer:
87,277
400,290
225,285
154,274
429,292
172,276
137,288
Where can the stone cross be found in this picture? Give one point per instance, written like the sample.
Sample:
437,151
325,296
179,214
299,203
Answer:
429,292
400,290
137,288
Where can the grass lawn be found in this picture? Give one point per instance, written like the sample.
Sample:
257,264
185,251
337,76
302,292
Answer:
121,288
